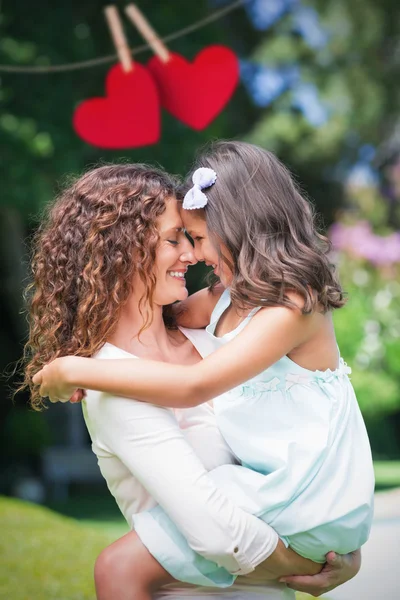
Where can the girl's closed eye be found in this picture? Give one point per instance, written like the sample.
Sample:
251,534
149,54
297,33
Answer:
173,242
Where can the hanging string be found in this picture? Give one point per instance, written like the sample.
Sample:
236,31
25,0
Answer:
94,62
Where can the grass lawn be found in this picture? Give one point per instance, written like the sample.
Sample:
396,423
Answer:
48,556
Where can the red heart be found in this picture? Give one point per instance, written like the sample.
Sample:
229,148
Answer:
128,117
196,93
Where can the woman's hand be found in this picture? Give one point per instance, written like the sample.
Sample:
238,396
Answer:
337,570
54,380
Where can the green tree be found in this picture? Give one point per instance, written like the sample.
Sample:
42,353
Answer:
356,75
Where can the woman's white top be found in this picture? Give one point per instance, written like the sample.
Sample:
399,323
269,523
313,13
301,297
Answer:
151,455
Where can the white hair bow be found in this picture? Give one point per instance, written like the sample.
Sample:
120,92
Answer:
195,198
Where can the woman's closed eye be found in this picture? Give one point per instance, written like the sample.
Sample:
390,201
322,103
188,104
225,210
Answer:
179,236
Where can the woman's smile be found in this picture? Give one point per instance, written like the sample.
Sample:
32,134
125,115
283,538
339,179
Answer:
178,274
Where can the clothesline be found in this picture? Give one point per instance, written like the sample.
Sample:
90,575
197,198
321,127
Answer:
94,62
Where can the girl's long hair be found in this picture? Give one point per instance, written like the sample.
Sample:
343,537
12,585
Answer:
97,235
257,212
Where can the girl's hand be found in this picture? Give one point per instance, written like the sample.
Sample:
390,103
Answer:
53,380
337,570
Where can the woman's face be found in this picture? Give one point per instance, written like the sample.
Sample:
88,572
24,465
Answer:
174,256
195,224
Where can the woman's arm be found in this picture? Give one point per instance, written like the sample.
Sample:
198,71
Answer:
270,334
195,312
148,440
337,570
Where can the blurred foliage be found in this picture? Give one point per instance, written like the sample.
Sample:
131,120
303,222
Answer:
356,76
25,433
355,73
368,332
387,473
368,328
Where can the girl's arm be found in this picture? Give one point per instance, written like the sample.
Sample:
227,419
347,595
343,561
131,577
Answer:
195,311
270,334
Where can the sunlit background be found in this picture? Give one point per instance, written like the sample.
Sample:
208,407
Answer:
319,86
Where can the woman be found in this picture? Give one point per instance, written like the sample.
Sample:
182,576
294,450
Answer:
110,256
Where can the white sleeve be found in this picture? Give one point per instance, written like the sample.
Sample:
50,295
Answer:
148,440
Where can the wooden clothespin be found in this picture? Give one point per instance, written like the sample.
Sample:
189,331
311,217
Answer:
148,33
119,39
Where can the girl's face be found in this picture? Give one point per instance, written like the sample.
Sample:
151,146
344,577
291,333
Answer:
174,256
195,224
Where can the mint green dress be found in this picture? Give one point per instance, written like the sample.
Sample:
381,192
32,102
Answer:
306,466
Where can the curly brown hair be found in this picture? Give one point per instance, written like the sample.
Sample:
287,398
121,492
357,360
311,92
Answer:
256,210
97,235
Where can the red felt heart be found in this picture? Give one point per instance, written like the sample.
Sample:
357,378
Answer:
128,117
196,93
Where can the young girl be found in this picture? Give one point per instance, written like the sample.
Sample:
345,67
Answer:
285,403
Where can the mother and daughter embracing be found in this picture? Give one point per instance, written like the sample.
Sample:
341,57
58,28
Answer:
224,423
